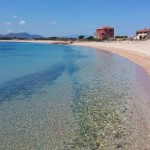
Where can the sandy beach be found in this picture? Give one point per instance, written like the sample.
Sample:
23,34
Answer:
139,53
136,51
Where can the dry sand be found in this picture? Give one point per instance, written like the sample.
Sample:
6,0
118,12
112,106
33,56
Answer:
136,51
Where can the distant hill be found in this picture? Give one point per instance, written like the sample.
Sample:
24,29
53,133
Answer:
21,35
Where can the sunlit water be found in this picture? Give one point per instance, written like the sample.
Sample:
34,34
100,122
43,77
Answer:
65,97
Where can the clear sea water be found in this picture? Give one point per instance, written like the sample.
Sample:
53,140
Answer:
65,97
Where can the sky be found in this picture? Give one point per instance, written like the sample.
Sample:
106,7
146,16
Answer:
73,17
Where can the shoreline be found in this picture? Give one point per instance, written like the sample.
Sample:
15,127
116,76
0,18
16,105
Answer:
137,52
133,51
38,41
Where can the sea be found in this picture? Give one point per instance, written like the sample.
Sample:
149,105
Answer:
65,97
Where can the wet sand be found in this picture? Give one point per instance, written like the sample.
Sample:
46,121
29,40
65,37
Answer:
139,53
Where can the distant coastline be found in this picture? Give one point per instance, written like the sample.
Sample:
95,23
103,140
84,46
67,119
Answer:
39,41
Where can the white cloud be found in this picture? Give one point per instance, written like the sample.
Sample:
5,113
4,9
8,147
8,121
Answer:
53,22
8,23
14,16
22,22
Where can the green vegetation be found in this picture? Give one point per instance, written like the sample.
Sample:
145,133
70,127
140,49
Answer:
91,38
81,37
121,37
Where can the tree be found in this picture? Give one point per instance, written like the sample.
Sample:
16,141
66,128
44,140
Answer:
53,38
81,37
117,37
90,38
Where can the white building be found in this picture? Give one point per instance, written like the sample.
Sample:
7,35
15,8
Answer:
143,34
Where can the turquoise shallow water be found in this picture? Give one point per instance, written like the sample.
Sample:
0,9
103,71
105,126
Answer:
20,59
66,97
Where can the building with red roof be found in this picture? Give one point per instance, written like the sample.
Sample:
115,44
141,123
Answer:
143,34
105,33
